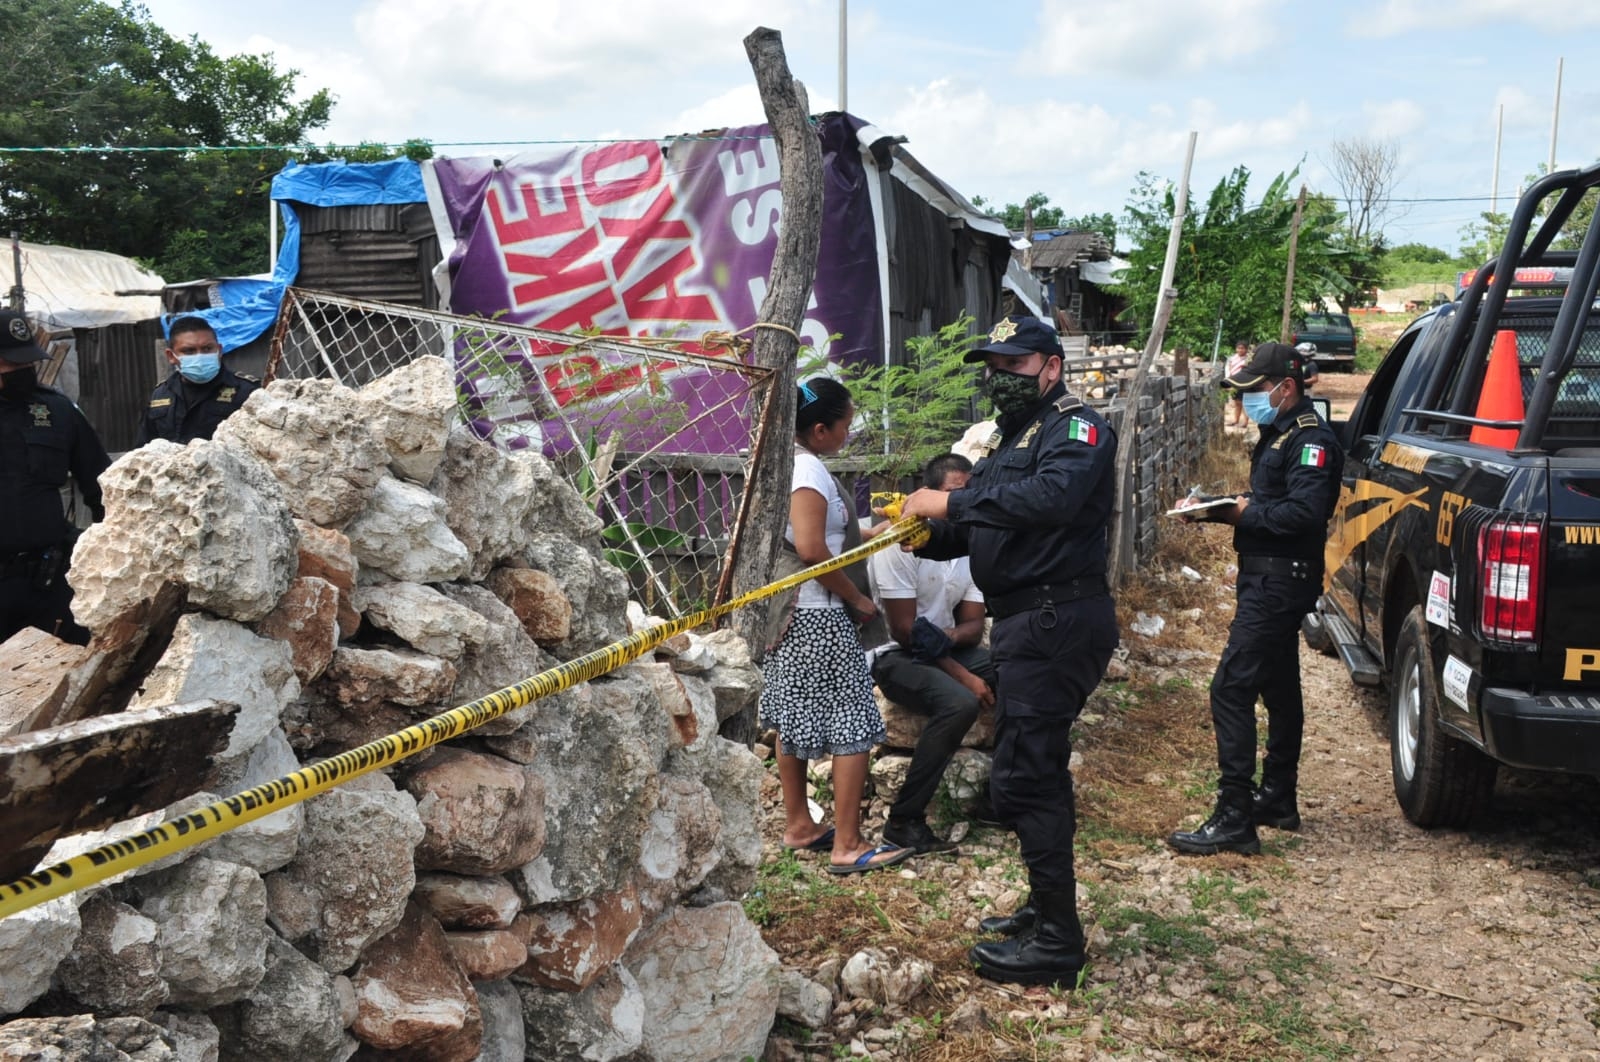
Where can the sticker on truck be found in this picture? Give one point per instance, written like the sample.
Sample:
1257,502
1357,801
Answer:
1457,677
1438,609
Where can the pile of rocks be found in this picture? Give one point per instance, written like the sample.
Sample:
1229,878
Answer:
558,884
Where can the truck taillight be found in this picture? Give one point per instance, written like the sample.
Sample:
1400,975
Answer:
1511,573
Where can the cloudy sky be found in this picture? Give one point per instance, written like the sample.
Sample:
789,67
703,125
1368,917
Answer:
1001,99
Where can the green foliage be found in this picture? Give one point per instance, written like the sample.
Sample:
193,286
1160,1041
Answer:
81,72
1014,216
910,413
1232,259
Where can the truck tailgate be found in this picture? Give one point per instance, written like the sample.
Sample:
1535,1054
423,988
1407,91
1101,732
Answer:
1569,651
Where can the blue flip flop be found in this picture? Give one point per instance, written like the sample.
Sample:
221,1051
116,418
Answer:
823,843
864,863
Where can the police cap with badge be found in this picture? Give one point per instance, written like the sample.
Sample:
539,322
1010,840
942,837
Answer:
1271,361
17,344
1018,336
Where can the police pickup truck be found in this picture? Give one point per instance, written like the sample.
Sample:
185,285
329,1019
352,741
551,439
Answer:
1463,561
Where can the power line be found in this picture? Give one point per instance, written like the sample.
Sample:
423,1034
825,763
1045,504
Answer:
124,149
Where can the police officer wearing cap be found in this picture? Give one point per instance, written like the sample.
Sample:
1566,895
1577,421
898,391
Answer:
43,438
1033,519
1279,531
199,394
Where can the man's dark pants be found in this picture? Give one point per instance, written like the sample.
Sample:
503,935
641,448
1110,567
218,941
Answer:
1261,659
24,603
951,709
1049,660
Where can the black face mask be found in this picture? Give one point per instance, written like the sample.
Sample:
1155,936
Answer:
18,384
1012,393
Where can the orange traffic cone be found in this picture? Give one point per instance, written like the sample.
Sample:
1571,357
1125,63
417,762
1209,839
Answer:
1501,397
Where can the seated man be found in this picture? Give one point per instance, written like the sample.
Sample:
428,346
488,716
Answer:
200,393
934,666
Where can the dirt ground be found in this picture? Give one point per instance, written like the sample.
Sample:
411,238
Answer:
1358,937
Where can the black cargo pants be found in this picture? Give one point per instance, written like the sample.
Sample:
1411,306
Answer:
1049,660
33,596
951,709
1261,660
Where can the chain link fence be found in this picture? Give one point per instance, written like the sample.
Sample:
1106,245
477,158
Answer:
655,433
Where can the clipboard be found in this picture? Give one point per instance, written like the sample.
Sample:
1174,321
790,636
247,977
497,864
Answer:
1200,505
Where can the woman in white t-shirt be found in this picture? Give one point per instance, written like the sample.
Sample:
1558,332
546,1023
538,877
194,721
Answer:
817,691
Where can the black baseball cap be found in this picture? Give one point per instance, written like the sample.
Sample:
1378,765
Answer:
1271,361
16,340
1017,335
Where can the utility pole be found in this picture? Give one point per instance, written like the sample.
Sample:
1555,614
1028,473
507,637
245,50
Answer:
1288,275
15,299
1555,116
844,55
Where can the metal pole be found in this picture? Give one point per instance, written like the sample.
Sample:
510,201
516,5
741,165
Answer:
844,54
16,299
1494,186
1555,117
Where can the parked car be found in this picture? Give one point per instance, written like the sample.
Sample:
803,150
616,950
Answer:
1331,339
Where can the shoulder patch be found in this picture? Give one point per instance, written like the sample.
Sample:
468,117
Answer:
226,394
1083,431
252,379
1313,455
1307,420
157,403
1068,403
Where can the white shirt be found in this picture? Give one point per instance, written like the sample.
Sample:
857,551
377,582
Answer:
811,474
937,586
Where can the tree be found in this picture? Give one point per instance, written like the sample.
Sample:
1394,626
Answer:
1232,258
1365,171
80,72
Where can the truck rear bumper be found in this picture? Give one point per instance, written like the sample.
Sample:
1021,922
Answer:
1555,732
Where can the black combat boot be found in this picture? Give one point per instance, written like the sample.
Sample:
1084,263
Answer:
1052,954
1229,829
1015,924
1274,805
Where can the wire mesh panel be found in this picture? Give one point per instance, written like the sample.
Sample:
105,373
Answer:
656,438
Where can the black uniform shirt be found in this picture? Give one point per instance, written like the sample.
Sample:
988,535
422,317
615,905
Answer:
1035,511
1294,486
180,411
42,439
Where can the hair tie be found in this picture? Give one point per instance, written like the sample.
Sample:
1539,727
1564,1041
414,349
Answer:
809,395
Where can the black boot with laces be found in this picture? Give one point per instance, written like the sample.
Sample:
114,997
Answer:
1230,828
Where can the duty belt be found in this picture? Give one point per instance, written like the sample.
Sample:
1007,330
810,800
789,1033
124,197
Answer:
1031,597
20,562
1293,567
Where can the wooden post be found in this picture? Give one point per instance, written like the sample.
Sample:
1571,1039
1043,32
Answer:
764,510
1288,276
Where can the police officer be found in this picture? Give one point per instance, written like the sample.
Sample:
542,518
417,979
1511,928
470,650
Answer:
43,438
1033,518
199,394
1279,531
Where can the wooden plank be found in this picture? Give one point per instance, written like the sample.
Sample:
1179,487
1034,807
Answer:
96,772
35,667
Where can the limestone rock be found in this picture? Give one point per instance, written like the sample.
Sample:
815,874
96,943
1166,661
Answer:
221,660
488,495
115,966
481,814
733,775
402,533
503,1037
709,982
269,842
366,694
735,680
32,944
571,945
967,778
557,507
732,650
905,726
194,1037
679,846
325,554
307,619
83,1038
884,976
688,701
213,930
314,436
487,954
333,908
423,617
411,411
598,592
603,1023
538,601
504,657
200,516
889,774
697,658
803,1001
291,1016
467,902
412,998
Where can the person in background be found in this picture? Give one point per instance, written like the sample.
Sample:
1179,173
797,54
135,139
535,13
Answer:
199,394
44,439
817,691
1236,363
935,666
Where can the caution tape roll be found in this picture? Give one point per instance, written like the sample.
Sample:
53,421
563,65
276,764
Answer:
231,812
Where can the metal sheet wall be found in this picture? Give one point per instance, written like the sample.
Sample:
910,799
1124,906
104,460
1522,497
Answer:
118,367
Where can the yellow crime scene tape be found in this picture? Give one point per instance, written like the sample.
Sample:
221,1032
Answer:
215,819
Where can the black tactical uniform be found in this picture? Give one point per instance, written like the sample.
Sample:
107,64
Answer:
1294,486
181,410
43,438
1033,518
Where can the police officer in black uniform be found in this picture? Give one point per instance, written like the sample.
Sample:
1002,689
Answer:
1033,518
1279,531
43,438
200,393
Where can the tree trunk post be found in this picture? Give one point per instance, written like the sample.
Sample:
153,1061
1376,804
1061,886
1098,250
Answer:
765,506
1288,276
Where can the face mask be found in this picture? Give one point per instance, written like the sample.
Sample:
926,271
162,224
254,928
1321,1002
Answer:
1011,392
18,384
199,368
1258,406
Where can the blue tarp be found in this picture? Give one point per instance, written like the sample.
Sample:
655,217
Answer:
245,307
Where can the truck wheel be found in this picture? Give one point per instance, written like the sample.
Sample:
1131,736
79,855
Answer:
1439,780
1316,634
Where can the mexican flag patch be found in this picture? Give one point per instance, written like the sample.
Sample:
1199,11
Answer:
1315,456
1082,431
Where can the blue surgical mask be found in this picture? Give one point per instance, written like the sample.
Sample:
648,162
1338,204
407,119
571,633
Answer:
199,368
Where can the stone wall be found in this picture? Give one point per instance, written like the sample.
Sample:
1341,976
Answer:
560,884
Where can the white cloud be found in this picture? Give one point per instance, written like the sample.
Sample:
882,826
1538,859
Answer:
1153,38
1394,119
1394,17
740,105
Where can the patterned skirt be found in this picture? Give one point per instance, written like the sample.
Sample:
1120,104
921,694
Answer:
817,690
